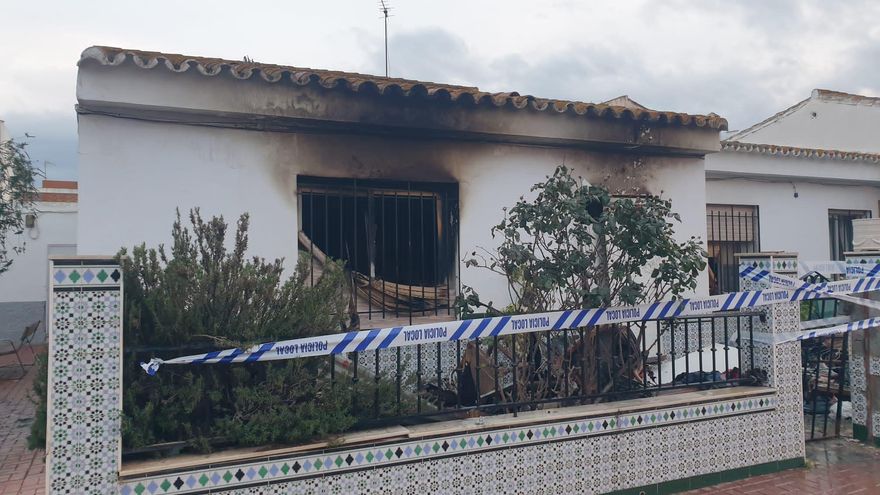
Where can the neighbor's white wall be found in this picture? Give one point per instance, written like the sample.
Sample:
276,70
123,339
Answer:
133,174
24,288
794,224
836,125
28,279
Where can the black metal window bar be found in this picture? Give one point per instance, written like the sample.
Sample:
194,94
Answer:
514,373
730,229
840,230
825,369
399,241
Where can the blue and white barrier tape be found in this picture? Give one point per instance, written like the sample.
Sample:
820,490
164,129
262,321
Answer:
862,270
428,333
778,338
828,268
820,290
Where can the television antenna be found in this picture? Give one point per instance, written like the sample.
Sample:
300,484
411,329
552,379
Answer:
384,8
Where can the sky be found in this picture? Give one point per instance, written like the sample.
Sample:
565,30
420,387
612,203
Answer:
744,60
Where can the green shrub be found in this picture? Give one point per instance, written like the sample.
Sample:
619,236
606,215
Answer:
200,296
37,437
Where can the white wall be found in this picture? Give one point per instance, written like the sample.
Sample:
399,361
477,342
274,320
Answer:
24,288
825,125
27,279
794,224
133,174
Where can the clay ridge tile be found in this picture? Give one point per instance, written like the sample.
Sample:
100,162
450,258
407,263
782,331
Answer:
772,149
110,56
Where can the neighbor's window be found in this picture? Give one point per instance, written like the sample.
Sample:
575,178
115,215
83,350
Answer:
730,229
399,240
840,230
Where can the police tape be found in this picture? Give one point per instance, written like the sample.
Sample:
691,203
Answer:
429,333
779,338
828,268
822,290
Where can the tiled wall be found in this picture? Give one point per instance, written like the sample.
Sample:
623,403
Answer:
863,374
585,455
85,376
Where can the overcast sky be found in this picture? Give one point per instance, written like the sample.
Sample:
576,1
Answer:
743,60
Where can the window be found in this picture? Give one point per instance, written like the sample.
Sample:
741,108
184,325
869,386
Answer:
730,229
840,230
398,239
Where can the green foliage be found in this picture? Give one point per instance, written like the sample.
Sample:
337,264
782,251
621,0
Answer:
37,437
576,246
200,296
17,195
200,292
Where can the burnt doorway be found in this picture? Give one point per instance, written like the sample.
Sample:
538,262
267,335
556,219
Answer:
399,241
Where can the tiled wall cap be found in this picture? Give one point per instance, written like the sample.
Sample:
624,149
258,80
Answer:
767,254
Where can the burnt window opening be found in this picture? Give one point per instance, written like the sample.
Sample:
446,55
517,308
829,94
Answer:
398,239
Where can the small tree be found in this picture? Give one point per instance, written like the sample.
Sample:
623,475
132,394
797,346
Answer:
17,195
576,246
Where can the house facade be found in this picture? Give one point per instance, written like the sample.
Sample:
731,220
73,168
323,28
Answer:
794,182
49,231
400,178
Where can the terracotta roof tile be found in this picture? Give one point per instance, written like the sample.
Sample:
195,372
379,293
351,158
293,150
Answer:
365,83
792,151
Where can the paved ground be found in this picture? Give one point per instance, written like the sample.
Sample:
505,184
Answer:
834,466
21,470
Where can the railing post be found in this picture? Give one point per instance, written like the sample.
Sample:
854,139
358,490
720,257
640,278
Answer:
864,364
781,362
83,441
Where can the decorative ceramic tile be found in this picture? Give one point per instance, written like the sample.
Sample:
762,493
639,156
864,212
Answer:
857,377
862,260
874,366
875,424
85,376
859,408
612,462
858,380
777,264
86,275
325,463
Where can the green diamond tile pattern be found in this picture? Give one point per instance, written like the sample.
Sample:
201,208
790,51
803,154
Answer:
86,276
368,457
86,326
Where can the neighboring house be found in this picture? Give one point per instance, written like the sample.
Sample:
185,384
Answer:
794,182
401,178
50,231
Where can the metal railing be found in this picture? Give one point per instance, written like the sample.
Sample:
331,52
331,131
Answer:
825,373
514,373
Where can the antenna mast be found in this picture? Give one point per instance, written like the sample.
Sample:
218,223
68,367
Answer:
384,7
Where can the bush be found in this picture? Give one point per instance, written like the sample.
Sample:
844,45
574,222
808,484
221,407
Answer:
198,297
37,438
